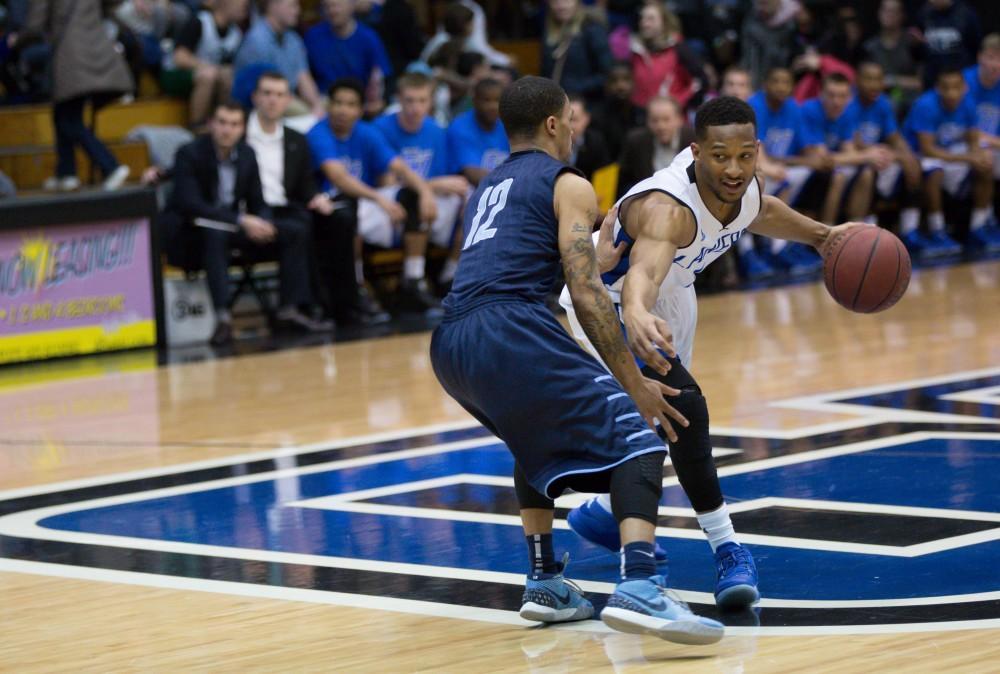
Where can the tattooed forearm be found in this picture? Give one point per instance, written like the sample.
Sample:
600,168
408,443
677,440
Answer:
594,308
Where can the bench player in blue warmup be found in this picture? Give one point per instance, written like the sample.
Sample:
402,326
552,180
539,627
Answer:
669,228
569,424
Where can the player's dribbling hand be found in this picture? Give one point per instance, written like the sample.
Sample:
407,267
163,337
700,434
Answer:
649,337
833,232
653,405
608,254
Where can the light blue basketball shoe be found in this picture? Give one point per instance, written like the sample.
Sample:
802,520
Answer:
554,599
646,607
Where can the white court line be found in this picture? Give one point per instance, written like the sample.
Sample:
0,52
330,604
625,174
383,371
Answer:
424,608
989,395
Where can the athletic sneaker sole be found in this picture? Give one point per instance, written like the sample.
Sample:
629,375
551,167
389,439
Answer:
547,614
690,632
737,597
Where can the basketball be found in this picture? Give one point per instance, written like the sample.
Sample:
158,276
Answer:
866,269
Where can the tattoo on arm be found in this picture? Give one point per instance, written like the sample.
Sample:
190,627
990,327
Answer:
593,305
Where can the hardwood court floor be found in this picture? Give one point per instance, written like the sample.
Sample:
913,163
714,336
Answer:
88,419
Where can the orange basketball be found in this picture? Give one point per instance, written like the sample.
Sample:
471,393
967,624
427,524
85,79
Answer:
866,269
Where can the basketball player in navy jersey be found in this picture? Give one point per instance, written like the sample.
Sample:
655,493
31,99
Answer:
569,424
670,227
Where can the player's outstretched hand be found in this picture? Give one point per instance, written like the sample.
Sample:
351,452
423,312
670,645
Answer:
608,254
650,337
652,404
833,232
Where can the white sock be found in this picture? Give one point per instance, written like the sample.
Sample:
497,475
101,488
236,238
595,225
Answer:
413,268
604,500
909,220
777,245
718,527
935,221
448,272
980,216
745,244
359,271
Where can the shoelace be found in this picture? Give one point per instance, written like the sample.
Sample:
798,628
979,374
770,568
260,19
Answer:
733,559
669,593
564,563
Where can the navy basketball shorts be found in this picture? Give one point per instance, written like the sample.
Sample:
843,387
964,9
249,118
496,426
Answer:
565,419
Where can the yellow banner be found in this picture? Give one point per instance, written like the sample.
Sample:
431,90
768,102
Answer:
74,341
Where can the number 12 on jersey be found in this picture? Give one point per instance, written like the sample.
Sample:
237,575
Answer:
492,201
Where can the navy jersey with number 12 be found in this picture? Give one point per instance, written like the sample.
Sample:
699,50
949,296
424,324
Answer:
511,245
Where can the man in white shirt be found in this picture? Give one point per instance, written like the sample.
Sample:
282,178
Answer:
286,177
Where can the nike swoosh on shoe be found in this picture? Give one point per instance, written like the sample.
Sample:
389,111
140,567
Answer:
659,605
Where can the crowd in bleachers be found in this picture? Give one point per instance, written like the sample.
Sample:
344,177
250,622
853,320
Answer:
319,139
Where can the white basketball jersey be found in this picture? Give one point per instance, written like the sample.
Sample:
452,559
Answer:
711,239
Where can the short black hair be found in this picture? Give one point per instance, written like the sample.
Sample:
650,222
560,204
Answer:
870,64
950,70
483,85
527,103
232,105
836,78
270,75
347,83
468,61
774,69
723,111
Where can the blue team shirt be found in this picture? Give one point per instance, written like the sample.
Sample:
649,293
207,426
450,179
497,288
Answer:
262,46
779,130
927,115
511,234
426,151
332,57
470,145
365,152
818,129
874,123
986,102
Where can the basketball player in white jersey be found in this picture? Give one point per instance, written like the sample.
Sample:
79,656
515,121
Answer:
669,228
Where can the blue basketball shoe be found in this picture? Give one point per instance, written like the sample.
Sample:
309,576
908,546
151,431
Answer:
736,586
592,522
645,607
554,599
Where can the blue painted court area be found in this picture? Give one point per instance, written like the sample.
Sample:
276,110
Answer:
953,474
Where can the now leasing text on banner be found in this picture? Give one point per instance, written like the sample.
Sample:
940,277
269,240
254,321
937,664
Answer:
75,289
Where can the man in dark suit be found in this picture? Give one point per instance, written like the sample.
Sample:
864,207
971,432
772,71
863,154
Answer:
653,147
217,183
290,190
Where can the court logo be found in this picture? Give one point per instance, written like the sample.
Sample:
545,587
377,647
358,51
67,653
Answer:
887,521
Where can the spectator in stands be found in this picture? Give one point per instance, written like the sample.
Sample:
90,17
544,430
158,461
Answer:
273,41
829,130
85,68
615,114
464,27
395,27
443,55
477,142
575,49
152,21
652,147
779,128
203,57
898,52
662,65
717,28
941,127
354,158
983,80
217,181
421,143
875,127
951,37
767,38
341,47
286,177
589,151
